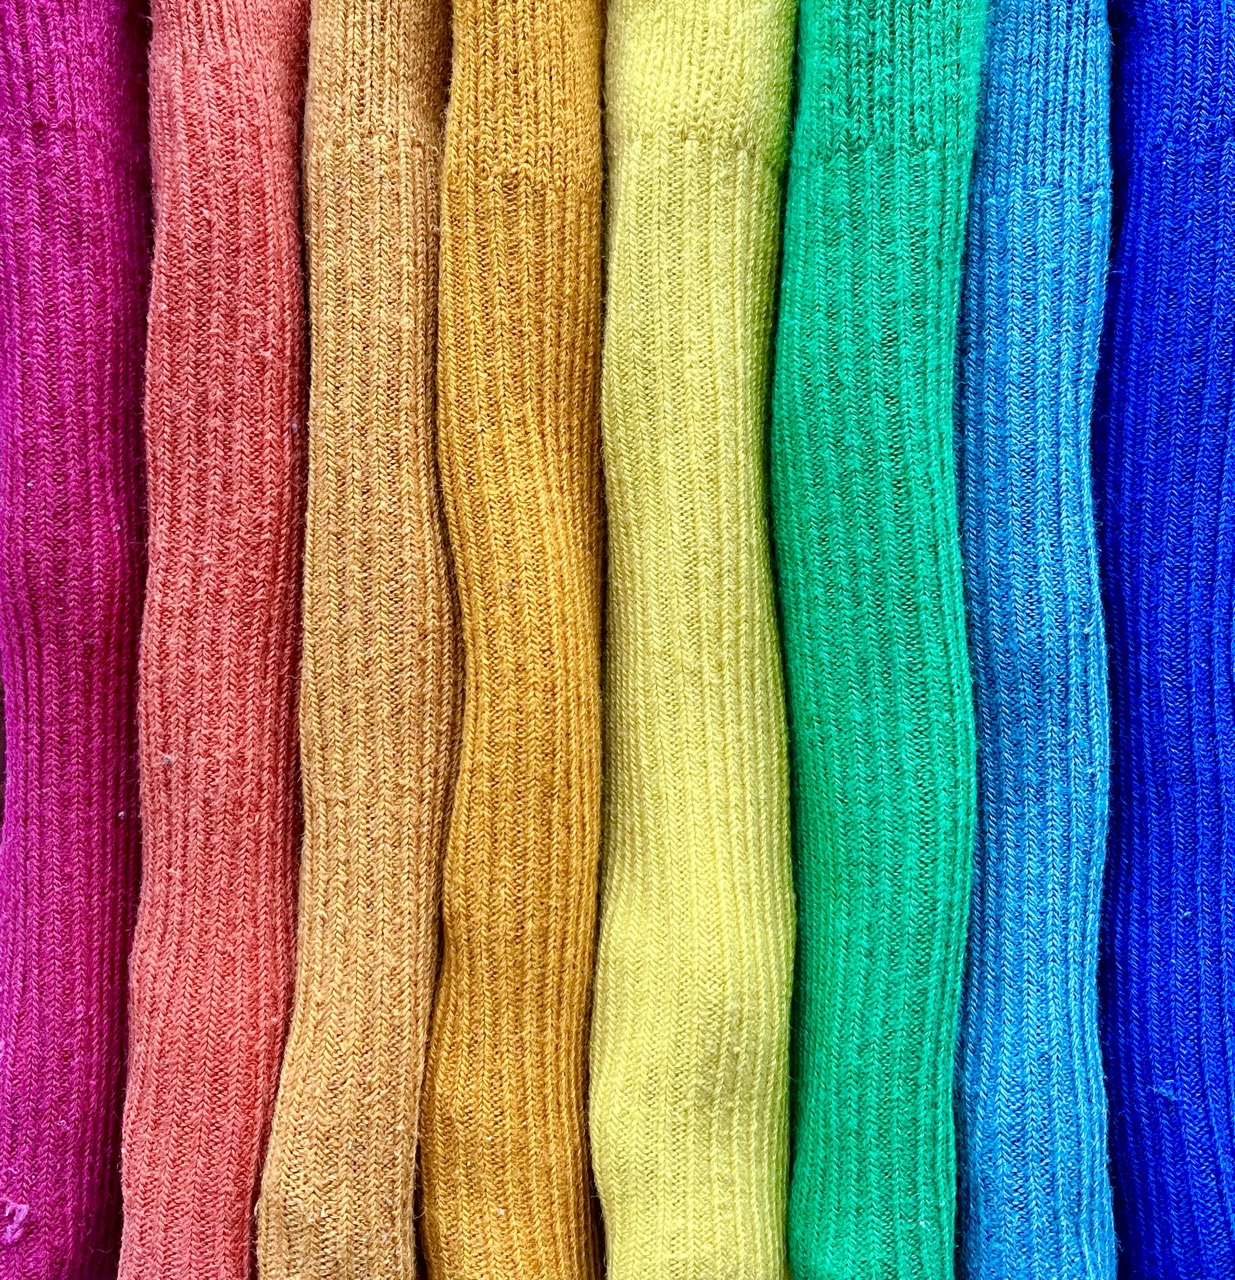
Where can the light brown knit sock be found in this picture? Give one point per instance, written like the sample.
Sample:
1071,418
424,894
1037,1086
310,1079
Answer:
381,678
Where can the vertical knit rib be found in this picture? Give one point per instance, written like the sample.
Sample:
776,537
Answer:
1035,1197
1165,469
689,1106
505,1169
224,445
381,678
869,582
74,247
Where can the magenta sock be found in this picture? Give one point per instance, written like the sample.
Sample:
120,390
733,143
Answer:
74,232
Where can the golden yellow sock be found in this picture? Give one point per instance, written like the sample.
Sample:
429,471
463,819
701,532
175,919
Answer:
506,1185
381,677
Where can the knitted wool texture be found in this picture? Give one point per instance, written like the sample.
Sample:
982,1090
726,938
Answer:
504,1154
869,581
1035,1197
74,248
1165,470
211,972
689,1104
381,678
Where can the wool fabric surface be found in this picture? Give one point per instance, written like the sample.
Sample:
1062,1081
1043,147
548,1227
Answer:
1165,478
503,1144
690,1041
212,959
381,679
74,251
868,574
1035,1196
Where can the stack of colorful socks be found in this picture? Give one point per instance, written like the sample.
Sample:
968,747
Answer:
866,948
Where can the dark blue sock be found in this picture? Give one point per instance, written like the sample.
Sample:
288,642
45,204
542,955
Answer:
1164,445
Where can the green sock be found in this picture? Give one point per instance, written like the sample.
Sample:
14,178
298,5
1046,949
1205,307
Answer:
869,582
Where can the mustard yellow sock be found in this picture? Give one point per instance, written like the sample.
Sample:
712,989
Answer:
506,1184
381,677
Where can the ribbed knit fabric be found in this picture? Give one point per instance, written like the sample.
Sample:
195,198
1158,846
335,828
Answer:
504,1153
690,1042
1165,478
869,582
379,691
211,972
74,265
1035,1197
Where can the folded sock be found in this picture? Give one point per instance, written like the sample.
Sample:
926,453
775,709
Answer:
1164,450
211,972
381,678
689,1082
74,250
868,567
504,1153
1031,1119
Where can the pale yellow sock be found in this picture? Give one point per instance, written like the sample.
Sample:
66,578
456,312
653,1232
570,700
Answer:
689,1095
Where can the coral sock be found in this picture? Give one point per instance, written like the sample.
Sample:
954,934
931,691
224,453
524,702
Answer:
506,1187
690,1047
1035,1197
1164,451
381,682
74,250
868,565
211,974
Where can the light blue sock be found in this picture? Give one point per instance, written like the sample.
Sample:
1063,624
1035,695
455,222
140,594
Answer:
1035,1201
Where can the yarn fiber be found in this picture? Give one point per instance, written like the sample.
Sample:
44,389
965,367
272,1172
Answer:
1035,1196
868,576
689,1094
504,1148
74,268
212,958
1165,471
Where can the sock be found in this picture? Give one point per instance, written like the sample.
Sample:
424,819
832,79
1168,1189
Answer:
504,1153
1035,1196
690,1043
869,582
211,971
381,678
74,249
1164,449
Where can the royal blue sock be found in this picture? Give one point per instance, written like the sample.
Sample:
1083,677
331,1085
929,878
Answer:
1165,467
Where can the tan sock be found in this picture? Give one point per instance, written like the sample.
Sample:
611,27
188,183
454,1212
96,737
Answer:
381,679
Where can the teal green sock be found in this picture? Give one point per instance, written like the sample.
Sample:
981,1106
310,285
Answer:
869,583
